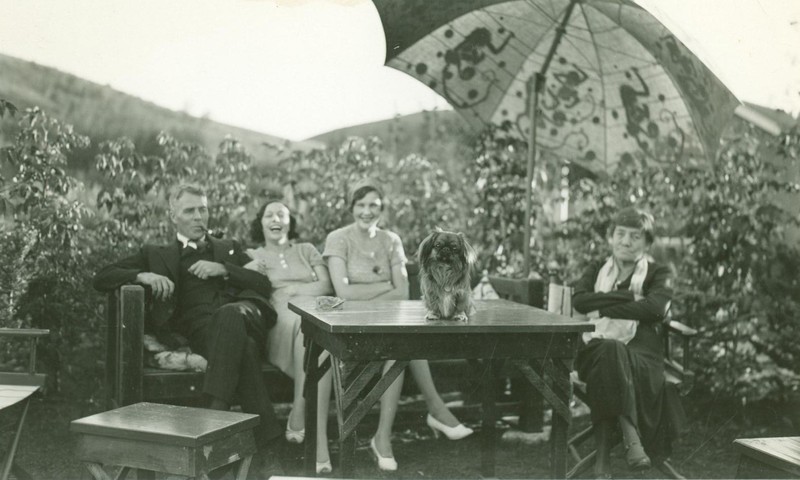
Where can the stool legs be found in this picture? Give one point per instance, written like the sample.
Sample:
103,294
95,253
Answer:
12,450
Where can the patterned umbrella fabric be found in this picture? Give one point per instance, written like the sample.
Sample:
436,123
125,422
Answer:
620,87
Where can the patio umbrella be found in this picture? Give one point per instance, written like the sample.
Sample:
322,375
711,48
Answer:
603,81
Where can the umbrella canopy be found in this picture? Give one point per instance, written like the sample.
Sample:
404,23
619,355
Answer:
619,87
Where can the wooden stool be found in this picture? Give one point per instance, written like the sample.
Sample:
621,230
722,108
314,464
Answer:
777,457
165,438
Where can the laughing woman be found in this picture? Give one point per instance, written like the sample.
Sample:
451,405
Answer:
369,263
622,363
296,270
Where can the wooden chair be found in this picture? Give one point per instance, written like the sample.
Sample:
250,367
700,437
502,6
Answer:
129,380
676,371
16,391
528,291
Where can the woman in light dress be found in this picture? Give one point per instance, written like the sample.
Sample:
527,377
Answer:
296,270
369,263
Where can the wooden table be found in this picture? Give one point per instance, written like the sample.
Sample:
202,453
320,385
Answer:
361,336
777,457
165,438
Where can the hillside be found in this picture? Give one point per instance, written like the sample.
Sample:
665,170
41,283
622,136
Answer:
103,113
438,135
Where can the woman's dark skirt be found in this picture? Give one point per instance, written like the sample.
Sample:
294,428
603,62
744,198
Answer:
628,380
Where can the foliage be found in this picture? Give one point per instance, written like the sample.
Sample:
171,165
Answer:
40,242
418,195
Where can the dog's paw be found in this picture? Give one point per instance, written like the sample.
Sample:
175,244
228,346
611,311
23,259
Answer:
460,317
432,316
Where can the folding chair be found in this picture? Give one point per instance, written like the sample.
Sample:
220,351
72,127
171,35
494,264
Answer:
676,371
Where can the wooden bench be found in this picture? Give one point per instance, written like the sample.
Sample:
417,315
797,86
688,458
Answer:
16,391
171,439
129,380
777,457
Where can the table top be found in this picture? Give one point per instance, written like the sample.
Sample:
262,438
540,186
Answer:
160,423
11,394
408,316
783,449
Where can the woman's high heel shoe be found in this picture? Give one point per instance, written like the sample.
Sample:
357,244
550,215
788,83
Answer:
453,433
294,436
388,464
324,467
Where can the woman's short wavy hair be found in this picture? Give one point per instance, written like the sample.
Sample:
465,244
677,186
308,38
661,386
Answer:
634,218
257,232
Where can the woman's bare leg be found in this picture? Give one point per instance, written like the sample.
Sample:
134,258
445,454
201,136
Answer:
389,401
323,405
421,371
297,415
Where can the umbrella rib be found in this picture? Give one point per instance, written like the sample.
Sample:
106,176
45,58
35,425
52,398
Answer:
602,81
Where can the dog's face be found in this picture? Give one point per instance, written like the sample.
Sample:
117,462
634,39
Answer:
446,248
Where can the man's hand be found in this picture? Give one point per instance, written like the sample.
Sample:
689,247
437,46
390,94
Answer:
205,269
162,286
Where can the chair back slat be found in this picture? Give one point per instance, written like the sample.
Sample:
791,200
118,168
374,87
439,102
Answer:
528,291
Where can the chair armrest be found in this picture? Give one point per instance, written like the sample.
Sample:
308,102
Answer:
24,332
677,327
125,315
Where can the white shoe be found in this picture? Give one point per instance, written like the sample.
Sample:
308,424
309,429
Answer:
294,436
388,464
453,433
324,467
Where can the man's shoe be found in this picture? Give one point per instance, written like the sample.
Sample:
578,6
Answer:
635,456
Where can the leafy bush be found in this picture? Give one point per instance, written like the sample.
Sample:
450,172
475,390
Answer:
418,195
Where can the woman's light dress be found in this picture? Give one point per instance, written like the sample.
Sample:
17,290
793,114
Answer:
295,264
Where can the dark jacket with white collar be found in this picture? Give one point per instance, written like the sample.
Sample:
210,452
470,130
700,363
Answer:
240,283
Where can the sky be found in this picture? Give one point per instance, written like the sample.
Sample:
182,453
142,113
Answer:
298,68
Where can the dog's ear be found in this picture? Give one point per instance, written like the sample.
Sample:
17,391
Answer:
426,247
470,255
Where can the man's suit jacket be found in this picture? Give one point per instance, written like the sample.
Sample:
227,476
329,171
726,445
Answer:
241,283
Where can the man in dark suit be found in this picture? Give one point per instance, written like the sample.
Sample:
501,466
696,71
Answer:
200,290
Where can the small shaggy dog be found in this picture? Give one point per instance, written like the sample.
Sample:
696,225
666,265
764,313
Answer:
445,260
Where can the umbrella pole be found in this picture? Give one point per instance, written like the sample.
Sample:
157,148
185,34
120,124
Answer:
533,96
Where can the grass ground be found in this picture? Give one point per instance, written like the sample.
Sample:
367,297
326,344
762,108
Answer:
706,452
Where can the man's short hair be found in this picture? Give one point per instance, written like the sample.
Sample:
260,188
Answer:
177,192
634,218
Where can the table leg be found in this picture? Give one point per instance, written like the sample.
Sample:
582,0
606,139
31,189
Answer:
562,388
347,454
244,467
97,471
12,450
488,421
313,373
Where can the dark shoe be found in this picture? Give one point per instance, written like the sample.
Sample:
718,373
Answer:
635,456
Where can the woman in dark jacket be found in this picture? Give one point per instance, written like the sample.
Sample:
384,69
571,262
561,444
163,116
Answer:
627,297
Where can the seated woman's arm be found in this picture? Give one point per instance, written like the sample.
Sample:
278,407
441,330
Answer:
321,287
359,291
399,289
622,303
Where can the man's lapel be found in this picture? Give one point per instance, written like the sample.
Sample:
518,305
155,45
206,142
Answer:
222,250
171,256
